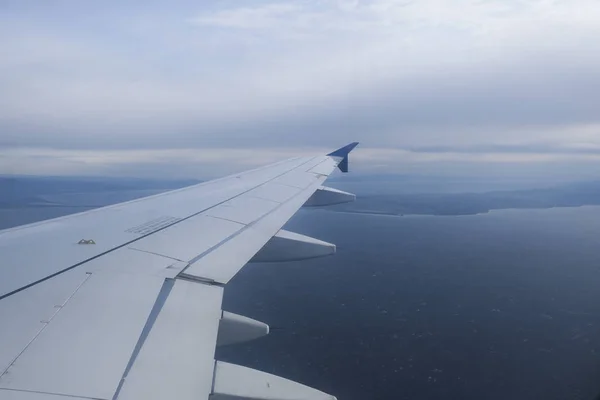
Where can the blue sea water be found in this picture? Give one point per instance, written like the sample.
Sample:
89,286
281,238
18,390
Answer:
498,306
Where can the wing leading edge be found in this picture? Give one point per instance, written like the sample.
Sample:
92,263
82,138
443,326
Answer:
135,310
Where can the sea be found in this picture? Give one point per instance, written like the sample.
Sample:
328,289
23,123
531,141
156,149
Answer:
504,305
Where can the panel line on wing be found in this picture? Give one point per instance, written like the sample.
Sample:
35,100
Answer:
45,325
214,378
225,240
196,279
216,246
158,305
314,166
264,198
141,237
224,219
221,243
155,254
51,394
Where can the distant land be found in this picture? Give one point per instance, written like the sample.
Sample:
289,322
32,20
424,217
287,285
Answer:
85,192
570,195
27,199
30,192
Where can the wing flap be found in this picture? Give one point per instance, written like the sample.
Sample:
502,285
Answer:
84,350
223,262
175,360
189,238
29,311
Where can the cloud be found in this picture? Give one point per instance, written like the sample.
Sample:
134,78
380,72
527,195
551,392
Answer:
192,163
267,16
423,78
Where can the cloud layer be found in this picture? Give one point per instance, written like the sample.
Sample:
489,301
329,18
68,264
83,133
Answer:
435,83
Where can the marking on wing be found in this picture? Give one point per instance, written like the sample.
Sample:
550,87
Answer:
153,225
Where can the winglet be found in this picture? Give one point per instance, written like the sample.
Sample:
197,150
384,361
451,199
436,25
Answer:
342,153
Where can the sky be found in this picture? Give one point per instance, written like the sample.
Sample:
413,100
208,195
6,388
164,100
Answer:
205,88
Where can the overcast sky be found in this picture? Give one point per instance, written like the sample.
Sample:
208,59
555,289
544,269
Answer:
201,88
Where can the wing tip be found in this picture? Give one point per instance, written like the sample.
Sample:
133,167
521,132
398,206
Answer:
342,154
343,151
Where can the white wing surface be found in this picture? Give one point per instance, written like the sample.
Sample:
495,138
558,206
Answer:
124,302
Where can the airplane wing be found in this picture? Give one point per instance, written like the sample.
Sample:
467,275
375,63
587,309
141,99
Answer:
124,302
